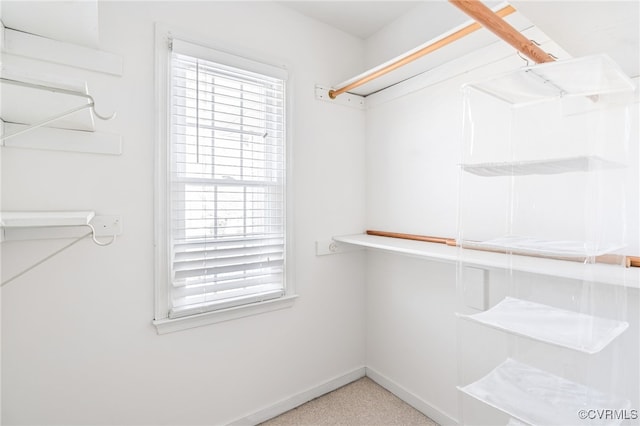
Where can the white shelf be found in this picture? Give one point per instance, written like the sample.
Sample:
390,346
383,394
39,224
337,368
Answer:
542,167
39,225
28,45
540,398
470,43
584,76
24,226
431,251
28,98
45,219
603,273
537,247
71,21
573,330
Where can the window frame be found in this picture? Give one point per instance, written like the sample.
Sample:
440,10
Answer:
162,226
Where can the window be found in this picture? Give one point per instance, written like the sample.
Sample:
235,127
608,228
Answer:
224,184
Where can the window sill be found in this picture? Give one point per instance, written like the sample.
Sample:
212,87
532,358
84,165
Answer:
164,326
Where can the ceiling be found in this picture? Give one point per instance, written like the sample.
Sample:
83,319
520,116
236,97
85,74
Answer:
358,18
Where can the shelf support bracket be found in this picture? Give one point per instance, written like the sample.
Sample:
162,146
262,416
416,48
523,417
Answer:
91,104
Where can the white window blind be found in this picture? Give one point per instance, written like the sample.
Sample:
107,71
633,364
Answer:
227,183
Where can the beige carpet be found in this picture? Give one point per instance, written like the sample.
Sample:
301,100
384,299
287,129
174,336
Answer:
362,402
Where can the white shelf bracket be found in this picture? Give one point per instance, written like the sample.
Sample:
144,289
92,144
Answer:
90,104
35,222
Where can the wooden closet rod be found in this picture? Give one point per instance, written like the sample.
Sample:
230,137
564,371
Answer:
507,10
630,261
424,238
494,23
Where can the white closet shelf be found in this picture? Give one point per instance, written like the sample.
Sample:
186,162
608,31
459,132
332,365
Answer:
45,219
44,225
471,42
598,75
20,43
28,99
72,21
573,330
532,246
538,397
603,273
542,167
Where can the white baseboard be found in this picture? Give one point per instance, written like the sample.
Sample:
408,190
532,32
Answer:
294,401
299,399
416,402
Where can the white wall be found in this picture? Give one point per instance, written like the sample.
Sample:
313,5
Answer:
76,350
78,343
414,137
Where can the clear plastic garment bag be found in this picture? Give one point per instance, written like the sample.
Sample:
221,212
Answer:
544,177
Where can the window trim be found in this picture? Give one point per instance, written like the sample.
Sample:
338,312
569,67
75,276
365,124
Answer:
162,322
167,325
